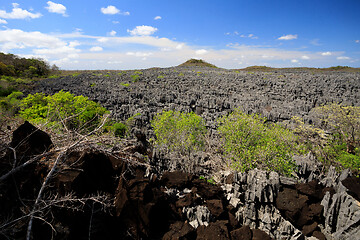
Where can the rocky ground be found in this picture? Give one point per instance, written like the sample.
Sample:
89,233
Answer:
86,192
210,92
97,193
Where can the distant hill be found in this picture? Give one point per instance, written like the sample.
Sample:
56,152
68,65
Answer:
266,69
197,63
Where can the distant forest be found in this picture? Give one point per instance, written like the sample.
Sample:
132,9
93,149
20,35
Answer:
12,65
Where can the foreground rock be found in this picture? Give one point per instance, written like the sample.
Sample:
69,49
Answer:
115,195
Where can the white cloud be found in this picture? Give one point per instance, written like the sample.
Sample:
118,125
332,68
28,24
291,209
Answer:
74,44
201,52
326,53
252,36
112,33
142,31
288,37
294,61
57,51
157,18
102,39
139,54
96,49
16,38
357,41
342,58
2,21
111,10
179,46
305,57
18,13
56,8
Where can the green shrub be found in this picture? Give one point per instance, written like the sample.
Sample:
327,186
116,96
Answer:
10,104
183,132
250,143
119,129
76,112
135,78
342,143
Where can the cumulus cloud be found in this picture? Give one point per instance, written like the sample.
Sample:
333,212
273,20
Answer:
96,49
112,33
294,61
201,52
56,8
157,18
305,57
288,37
18,13
142,31
326,53
74,43
2,21
357,41
342,58
111,10
16,38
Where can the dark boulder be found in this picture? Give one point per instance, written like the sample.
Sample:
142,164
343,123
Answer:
214,231
243,233
28,140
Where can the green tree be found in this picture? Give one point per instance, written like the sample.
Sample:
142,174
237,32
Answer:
342,148
62,108
183,132
251,143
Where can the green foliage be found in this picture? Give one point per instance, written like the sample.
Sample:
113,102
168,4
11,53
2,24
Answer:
125,84
210,180
10,104
135,78
335,136
92,85
119,129
161,76
12,65
76,112
75,74
183,132
250,143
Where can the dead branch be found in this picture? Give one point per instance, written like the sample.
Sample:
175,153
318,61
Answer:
52,171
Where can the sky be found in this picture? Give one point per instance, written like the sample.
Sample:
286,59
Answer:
135,34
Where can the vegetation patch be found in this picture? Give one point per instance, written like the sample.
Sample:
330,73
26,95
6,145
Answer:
177,131
197,63
250,143
62,109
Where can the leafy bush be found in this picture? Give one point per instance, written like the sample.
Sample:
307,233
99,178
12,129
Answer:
183,132
119,129
10,103
343,144
343,120
75,112
250,143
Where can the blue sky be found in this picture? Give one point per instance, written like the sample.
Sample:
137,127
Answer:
131,34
